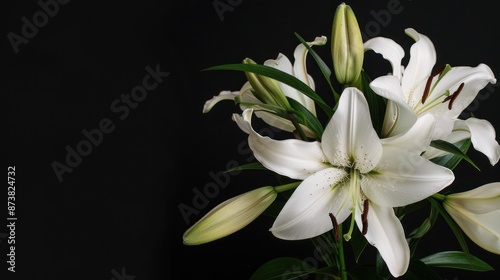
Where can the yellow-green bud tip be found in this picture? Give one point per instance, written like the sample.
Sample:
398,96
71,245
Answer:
347,45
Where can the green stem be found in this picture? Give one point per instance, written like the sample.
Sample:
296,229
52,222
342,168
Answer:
295,123
439,196
342,268
286,187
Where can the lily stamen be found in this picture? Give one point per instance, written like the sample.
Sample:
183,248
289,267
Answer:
364,217
335,226
454,96
429,81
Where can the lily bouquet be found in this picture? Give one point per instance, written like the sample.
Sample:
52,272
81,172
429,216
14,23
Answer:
351,171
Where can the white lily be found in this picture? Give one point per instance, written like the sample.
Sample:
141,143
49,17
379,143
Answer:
245,95
230,216
414,92
477,212
349,172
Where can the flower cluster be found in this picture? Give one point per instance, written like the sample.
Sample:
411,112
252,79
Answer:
387,143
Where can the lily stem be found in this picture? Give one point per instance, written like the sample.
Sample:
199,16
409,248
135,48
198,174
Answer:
439,196
286,187
342,268
295,123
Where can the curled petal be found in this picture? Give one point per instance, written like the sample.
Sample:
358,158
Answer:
483,138
399,116
292,158
419,68
389,50
223,95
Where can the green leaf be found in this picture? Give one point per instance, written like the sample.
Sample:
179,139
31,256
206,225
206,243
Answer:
248,166
305,117
426,225
424,228
454,150
287,268
451,223
376,103
456,259
419,270
279,76
327,73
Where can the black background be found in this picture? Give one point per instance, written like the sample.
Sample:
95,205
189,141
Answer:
118,210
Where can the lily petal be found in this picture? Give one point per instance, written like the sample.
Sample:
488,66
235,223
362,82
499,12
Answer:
460,132
386,233
473,78
223,95
399,116
419,68
483,138
403,178
416,139
349,136
389,50
306,213
292,158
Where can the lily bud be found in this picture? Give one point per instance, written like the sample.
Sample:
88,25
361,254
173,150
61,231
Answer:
266,89
477,212
347,45
230,216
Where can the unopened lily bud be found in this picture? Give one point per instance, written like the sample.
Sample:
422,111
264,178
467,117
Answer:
477,212
230,216
347,45
266,89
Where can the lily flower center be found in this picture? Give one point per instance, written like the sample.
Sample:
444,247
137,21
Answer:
430,99
357,198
